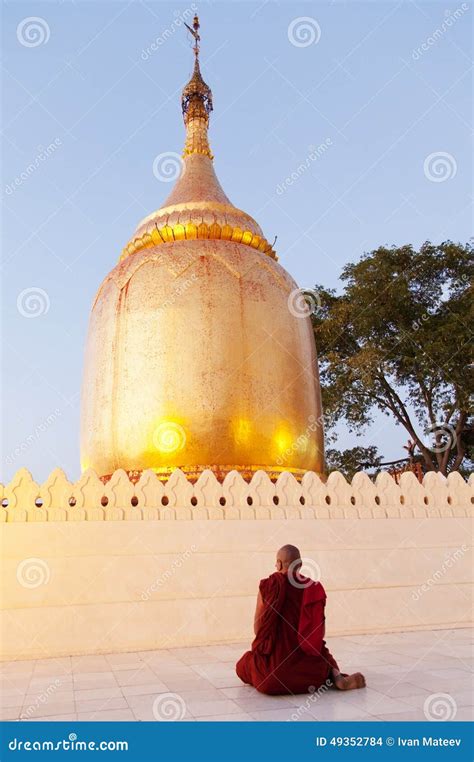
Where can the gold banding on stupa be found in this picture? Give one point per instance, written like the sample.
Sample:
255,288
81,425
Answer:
193,358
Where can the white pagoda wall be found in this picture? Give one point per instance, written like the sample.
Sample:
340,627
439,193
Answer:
89,578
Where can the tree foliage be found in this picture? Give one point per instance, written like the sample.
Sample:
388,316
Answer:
348,462
398,339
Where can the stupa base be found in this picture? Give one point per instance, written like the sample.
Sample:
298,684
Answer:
193,473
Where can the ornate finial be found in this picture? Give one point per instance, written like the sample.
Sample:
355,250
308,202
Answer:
196,103
197,96
195,33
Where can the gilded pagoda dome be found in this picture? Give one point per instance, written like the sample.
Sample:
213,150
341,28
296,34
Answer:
193,358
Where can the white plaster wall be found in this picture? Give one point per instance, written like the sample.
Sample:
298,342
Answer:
95,586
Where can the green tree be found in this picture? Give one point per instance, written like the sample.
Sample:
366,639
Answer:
397,339
348,462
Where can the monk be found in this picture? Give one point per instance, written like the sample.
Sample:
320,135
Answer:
289,654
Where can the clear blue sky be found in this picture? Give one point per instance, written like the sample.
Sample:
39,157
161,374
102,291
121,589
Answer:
107,108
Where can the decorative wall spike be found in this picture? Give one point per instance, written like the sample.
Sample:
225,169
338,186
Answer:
119,499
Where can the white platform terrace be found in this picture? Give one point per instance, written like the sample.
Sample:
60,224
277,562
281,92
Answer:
410,676
90,569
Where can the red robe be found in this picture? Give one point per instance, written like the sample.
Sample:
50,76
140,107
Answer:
289,654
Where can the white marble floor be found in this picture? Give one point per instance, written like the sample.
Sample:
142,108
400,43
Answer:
410,676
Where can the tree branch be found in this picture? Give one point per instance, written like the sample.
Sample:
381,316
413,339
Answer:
404,418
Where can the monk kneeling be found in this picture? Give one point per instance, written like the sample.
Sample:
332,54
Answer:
289,654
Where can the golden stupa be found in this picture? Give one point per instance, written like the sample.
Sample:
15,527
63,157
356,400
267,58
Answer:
194,358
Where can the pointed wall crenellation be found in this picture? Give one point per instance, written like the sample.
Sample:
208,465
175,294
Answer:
89,499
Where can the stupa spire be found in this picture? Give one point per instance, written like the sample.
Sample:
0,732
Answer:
196,103
197,206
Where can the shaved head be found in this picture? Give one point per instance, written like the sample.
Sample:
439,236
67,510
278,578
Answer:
286,556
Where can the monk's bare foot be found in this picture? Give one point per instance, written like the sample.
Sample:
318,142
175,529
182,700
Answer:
349,682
